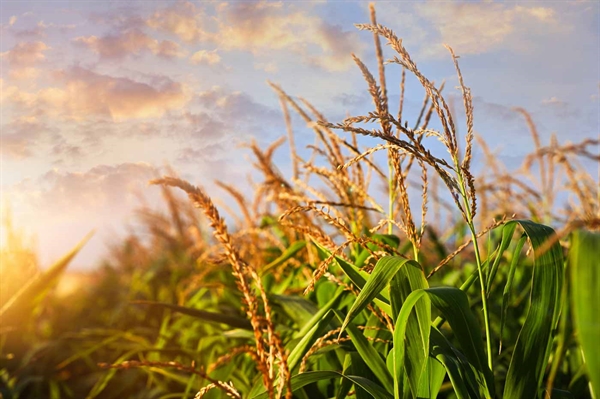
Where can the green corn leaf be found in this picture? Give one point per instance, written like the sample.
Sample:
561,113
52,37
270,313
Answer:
454,307
287,254
345,385
300,349
321,313
407,280
411,346
508,287
357,276
416,338
370,356
584,264
233,321
461,374
353,365
382,274
387,239
531,351
21,303
297,308
507,233
301,380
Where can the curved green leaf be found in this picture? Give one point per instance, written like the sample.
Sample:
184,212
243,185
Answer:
300,349
382,274
24,300
508,231
531,352
301,380
585,299
370,356
454,307
461,374
357,276
333,302
415,368
233,321
287,254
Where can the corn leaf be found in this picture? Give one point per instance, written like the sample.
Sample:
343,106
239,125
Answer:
382,274
287,254
531,351
301,380
370,356
584,264
416,338
24,300
230,320
454,307
300,349
461,374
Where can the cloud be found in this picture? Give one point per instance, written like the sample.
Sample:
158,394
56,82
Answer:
182,19
19,139
352,100
25,54
103,188
168,49
552,101
127,43
269,67
74,203
25,73
214,153
61,27
234,105
64,151
38,31
12,20
217,121
262,27
86,94
204,57
472,28
560,108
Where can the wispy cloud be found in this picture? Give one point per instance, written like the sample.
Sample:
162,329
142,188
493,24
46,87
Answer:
99,189
263,26
182,19
260,27
204,57
19,139
25,54
85,93
133,42
473,27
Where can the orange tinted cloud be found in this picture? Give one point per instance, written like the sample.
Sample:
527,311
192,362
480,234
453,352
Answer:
103,189
260,27
470,27
492,23
18,139
263,26
25,54
168,49
204,57
87,94
130,42
182,19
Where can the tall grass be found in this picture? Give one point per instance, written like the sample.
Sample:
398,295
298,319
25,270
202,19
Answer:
322,291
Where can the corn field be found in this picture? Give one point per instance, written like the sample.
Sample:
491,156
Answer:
457,280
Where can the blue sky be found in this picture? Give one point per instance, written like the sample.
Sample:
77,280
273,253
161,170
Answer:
96,96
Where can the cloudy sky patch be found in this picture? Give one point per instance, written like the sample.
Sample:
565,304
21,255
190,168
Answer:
97,98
